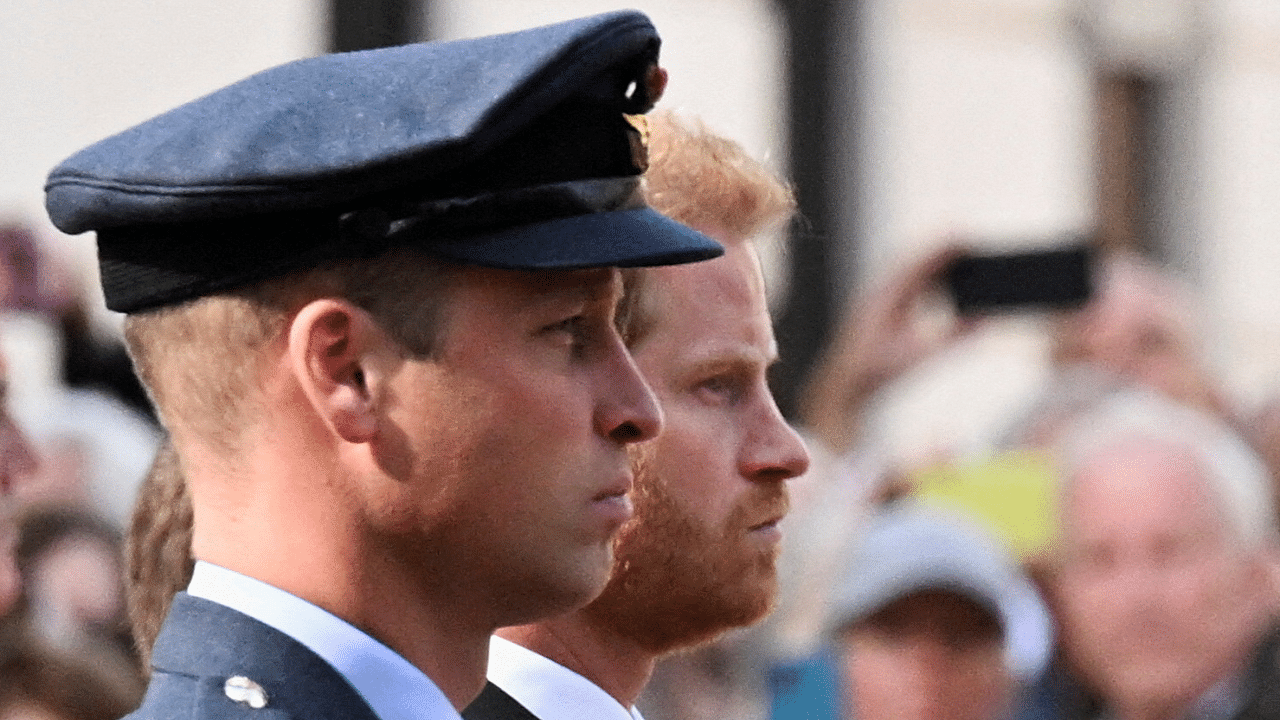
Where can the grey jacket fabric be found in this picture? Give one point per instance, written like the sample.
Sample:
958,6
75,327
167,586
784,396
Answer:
203,644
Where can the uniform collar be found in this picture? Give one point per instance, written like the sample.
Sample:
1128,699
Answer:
393,687
550,690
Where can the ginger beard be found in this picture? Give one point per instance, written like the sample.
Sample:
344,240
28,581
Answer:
678,581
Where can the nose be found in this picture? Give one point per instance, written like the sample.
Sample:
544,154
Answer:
627,410
774,451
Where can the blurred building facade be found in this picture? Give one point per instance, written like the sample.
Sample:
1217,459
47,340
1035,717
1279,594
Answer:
1154,122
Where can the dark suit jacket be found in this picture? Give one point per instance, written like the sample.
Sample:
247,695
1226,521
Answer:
495,704
203,643
1062,697
1262,688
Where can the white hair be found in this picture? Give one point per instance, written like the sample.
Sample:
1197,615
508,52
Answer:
1233,473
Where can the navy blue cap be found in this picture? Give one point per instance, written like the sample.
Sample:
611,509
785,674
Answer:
518,151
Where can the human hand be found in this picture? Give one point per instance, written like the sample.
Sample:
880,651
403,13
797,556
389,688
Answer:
883,334
1142,325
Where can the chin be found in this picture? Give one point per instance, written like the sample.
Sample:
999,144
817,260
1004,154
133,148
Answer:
548,595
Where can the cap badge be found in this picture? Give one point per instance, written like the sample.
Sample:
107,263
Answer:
638,135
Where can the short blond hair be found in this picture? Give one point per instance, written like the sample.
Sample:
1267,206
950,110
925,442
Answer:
200,361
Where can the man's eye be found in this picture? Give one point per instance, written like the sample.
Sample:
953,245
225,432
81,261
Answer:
571,327
722,387
574,332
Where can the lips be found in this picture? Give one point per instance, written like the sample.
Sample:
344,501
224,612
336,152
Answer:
613,503
619,487
772,523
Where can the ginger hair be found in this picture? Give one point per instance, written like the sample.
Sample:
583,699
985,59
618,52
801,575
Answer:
709,183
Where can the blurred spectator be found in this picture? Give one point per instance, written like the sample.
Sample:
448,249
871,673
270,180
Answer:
1140,327
1165,591
26,282
72,581
62,651
33,281
1143,326
1262,429
884,334
931,620
38,683
17,464
17,456
71,388
158,550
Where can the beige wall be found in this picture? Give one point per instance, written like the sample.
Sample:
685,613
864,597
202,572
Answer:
978,119
1241,246
74,72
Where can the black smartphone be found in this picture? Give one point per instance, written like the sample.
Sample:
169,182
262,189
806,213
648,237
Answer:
1054,278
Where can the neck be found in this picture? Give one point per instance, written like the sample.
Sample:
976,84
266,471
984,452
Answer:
1152,711
1170,707
286,522
614,663
1226,684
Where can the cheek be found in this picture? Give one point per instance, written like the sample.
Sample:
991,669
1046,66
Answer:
1217,590
694,455
1090,604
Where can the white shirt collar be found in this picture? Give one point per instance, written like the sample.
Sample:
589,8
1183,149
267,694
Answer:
394,688
550,690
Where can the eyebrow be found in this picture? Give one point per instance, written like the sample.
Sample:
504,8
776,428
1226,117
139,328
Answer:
738,356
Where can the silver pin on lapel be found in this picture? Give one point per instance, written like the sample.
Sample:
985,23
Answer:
243,690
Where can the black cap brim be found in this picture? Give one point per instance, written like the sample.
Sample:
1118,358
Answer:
637,237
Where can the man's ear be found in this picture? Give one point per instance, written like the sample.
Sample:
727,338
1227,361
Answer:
331,343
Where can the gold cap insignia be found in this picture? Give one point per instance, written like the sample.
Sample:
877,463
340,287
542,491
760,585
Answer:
638,135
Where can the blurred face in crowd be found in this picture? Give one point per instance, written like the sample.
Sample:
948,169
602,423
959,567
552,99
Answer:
75,586
17,457
1158,598
17,463
699,556
929,655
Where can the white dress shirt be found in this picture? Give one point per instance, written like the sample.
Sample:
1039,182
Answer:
549,690
393,688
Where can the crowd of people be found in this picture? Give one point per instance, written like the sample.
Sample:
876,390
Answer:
465,414
1156,569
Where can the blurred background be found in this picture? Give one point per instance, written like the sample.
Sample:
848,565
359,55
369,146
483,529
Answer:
1149,126
1149,122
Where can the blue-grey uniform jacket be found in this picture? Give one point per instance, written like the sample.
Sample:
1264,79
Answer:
213,662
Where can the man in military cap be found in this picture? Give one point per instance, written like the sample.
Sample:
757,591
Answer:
373,297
